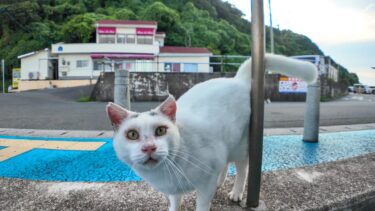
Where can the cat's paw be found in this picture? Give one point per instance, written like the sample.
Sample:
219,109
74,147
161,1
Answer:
235,196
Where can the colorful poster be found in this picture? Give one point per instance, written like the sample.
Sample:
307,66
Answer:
292,85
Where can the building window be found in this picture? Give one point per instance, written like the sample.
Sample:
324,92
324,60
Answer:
121,38
82,63
144,39
107,38
143,66
99,65
130,38
172,67
190,67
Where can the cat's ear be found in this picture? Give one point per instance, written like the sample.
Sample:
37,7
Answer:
116,114
169,108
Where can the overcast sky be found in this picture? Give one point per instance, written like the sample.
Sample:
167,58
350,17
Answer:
343,29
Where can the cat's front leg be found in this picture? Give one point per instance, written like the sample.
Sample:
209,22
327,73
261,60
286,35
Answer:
205,194
174,202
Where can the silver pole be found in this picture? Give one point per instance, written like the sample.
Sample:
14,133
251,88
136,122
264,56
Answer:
311,119
257,103
3,69
271,28
121,89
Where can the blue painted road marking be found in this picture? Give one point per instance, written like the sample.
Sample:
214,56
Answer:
280,152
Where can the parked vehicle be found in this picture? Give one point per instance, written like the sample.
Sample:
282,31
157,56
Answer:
367,90
359,88
373,89
350,88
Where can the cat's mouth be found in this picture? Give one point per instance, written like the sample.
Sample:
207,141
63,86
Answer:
150,162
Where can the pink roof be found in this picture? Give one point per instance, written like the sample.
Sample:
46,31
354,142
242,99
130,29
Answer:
176,49
127,22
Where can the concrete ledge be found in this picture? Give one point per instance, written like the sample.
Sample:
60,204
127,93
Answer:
346,184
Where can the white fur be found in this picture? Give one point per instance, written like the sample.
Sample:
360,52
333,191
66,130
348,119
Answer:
210,131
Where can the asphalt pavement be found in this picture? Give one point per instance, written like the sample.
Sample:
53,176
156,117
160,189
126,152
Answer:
59,109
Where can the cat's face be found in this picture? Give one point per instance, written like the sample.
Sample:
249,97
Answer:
143,140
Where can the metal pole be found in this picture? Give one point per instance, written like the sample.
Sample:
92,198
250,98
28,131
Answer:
121,89
3,69
311,119
271,28
257,103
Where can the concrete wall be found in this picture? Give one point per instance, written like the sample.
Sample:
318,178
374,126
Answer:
155,86
36,65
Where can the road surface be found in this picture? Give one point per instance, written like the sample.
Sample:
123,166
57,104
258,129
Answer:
59,109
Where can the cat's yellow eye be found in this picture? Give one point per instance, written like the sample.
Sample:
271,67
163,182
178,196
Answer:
132,135
160,131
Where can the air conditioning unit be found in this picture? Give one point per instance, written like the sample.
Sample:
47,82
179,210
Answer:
34,75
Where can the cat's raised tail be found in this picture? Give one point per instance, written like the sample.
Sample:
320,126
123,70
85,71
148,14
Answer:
281,64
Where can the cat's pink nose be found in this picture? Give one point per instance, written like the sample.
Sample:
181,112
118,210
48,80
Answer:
149,149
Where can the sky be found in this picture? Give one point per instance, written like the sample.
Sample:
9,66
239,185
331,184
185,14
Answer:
343,29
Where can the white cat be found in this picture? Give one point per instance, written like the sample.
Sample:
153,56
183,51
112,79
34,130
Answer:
187,145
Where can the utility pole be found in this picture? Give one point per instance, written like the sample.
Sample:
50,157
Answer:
257,104
271,28
3,69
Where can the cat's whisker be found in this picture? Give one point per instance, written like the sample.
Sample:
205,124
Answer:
178,178
191,156
188,161
178,175
182,173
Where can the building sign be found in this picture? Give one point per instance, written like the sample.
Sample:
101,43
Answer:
292,85
145,31
16,77
106,30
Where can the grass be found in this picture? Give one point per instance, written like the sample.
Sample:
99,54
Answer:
84,99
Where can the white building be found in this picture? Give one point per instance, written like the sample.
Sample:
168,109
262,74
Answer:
325,64
131,45
37,65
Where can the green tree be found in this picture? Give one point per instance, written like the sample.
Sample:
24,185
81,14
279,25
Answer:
81,28
166,17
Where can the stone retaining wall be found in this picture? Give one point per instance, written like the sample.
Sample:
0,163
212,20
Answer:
153,86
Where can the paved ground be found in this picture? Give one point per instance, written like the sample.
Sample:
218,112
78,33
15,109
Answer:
348,183
59,109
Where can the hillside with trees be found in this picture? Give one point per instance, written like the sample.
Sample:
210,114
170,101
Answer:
33,25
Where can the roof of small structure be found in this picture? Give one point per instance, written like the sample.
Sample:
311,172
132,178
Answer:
178,49
127,22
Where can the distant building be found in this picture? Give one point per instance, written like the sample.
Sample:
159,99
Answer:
325,64
132,45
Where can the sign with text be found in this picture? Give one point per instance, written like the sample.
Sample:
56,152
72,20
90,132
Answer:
292,85
106,30
145,31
